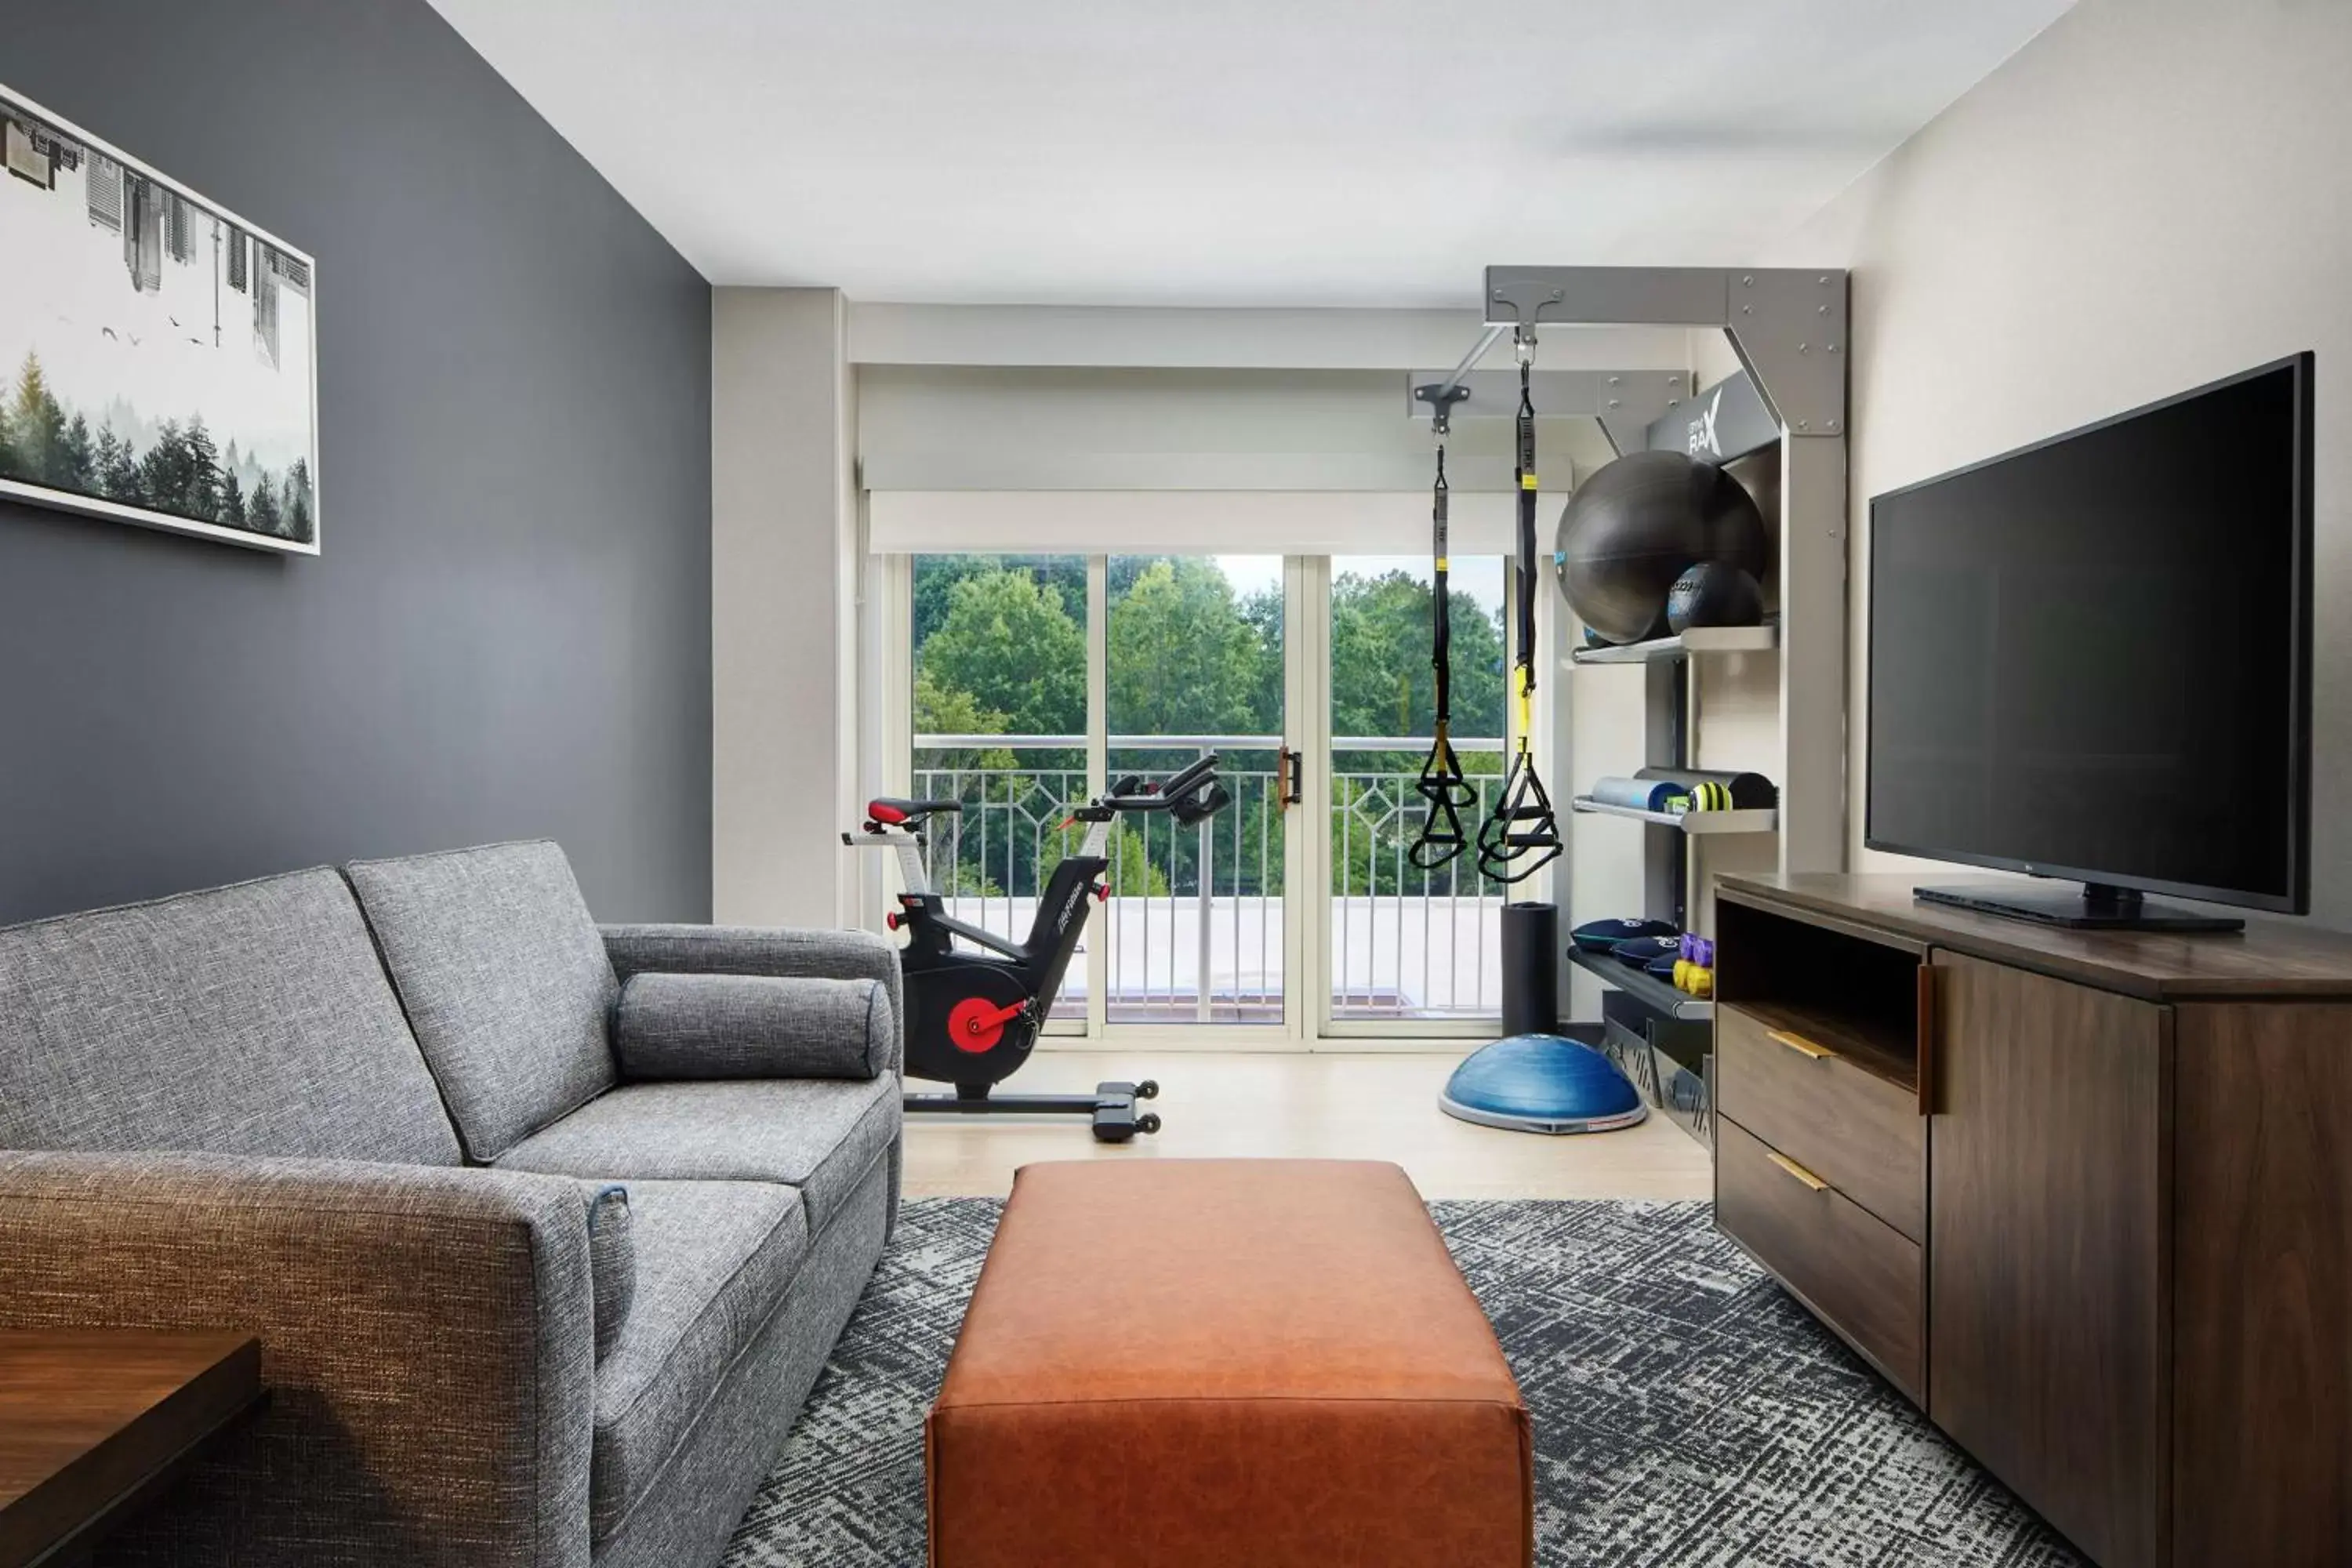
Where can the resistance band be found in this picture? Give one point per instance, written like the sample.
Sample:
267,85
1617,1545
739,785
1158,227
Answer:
1520,837
1444,791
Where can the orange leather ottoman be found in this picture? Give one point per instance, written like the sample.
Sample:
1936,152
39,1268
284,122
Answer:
1252,1364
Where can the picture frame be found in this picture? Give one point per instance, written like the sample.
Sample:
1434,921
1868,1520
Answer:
158,353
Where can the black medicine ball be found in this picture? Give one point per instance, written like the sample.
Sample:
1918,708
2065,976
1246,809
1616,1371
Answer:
1714,594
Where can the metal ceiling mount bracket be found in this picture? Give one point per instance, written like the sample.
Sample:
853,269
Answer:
1440,397
1624,402
1787,324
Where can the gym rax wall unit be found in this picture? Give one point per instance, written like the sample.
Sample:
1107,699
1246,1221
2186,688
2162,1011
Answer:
1787,328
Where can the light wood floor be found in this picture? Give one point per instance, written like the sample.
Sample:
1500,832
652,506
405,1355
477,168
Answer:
1320,1106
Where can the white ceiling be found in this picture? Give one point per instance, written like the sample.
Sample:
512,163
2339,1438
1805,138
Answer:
1230,151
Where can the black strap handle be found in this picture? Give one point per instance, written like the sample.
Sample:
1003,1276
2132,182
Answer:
1441,607
1520,835
1444,791
1525,567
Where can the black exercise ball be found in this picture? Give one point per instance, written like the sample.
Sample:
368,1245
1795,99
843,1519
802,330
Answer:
1714,594
1640,522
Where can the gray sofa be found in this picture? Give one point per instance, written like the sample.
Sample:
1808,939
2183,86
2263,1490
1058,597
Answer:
546,1229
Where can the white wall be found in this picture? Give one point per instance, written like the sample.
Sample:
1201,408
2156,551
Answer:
783,617
2151,195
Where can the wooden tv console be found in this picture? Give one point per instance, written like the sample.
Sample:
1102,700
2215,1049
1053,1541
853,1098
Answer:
2085,1197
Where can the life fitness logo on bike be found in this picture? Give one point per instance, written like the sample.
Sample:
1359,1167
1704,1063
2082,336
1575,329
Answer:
1070,906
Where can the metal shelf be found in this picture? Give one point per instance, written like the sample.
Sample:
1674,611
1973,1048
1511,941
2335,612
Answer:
1658,996
1753,819
1698,639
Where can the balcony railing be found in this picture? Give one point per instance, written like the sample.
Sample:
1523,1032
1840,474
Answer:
1196,928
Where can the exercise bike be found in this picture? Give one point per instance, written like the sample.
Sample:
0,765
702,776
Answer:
972,1017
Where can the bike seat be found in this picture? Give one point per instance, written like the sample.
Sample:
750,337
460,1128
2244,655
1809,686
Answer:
896,811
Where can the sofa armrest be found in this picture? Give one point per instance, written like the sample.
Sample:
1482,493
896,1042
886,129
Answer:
668,1027
425,1332
760,950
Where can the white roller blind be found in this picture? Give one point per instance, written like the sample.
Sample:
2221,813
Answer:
1185,522
1183,461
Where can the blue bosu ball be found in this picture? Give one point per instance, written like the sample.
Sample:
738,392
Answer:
1542,1083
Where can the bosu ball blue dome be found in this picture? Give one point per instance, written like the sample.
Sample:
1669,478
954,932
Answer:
1542,1083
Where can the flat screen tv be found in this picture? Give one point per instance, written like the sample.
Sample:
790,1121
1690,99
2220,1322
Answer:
2090,659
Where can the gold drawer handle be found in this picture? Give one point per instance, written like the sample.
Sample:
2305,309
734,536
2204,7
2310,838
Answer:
1799,1044
1796,1170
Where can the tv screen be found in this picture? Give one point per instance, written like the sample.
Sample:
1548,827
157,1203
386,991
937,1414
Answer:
2091,658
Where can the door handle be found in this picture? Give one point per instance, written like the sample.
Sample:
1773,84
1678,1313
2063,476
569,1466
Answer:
1796,1170
1799,1044
1289,778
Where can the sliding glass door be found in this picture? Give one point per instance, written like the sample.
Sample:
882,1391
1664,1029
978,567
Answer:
999,650
1196,665
1409,945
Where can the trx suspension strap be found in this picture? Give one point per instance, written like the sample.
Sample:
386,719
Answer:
1519,836
1444,793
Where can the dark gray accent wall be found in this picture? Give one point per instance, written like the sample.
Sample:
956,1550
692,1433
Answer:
509,632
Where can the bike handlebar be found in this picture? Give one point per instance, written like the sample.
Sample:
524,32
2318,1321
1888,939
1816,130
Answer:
1183,782
1171,793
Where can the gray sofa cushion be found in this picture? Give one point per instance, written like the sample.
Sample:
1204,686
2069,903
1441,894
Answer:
686,1511
504,980
817,1135
760,950
714,1262
752,1026
252,1019
611,1262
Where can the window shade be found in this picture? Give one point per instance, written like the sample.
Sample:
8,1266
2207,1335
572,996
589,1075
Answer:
1185,522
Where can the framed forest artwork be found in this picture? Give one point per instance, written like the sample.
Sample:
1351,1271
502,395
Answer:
158,355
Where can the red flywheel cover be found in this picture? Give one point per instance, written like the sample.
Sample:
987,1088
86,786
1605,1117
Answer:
976,1023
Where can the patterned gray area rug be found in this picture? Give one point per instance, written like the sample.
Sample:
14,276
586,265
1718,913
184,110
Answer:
1687,1412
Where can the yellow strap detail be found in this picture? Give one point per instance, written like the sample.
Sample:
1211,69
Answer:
1526,481
1442,566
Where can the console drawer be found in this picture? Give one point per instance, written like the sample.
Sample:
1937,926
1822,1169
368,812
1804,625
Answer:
1805,1089
1857,1274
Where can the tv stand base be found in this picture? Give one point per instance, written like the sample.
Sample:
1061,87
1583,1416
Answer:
2097,907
